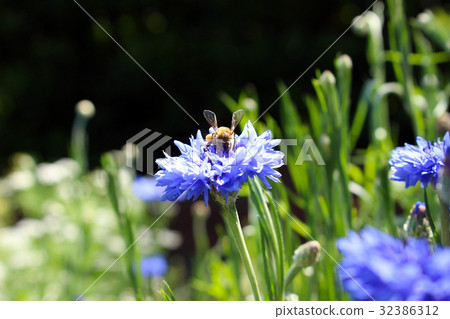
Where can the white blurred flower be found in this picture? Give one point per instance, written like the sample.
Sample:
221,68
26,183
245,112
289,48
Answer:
13,238
21,259
54,223
20,180
104,224
68,190
99,179
169,239
54,208
53,173
163,238
116,245
33,228
71,232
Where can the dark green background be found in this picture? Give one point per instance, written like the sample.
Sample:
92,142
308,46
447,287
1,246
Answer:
52,55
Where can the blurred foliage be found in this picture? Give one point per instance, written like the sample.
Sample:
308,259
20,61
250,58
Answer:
66,235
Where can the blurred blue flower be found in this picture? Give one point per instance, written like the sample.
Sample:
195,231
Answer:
417,207
145,188
411,163
154,266
389,269
198,169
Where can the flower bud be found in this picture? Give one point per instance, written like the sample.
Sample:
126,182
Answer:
85,108
417,224
304,256
307,254
250,104
344,62
327,78
362,25
424,18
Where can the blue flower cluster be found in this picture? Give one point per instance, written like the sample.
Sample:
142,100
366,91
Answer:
383,267
199,169
411,163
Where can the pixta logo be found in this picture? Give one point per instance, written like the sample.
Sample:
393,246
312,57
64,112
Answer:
141,148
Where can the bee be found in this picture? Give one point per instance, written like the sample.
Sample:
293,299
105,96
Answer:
223,137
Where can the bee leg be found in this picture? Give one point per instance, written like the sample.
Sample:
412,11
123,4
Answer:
232,144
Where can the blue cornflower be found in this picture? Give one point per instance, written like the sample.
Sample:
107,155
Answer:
199,169
419,163
386,268
154,266
145,188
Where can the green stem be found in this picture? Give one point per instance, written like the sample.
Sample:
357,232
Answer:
110,166
79,142
231,219
293,271
445,232
430,217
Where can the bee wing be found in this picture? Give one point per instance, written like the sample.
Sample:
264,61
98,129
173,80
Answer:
237,117
211,118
